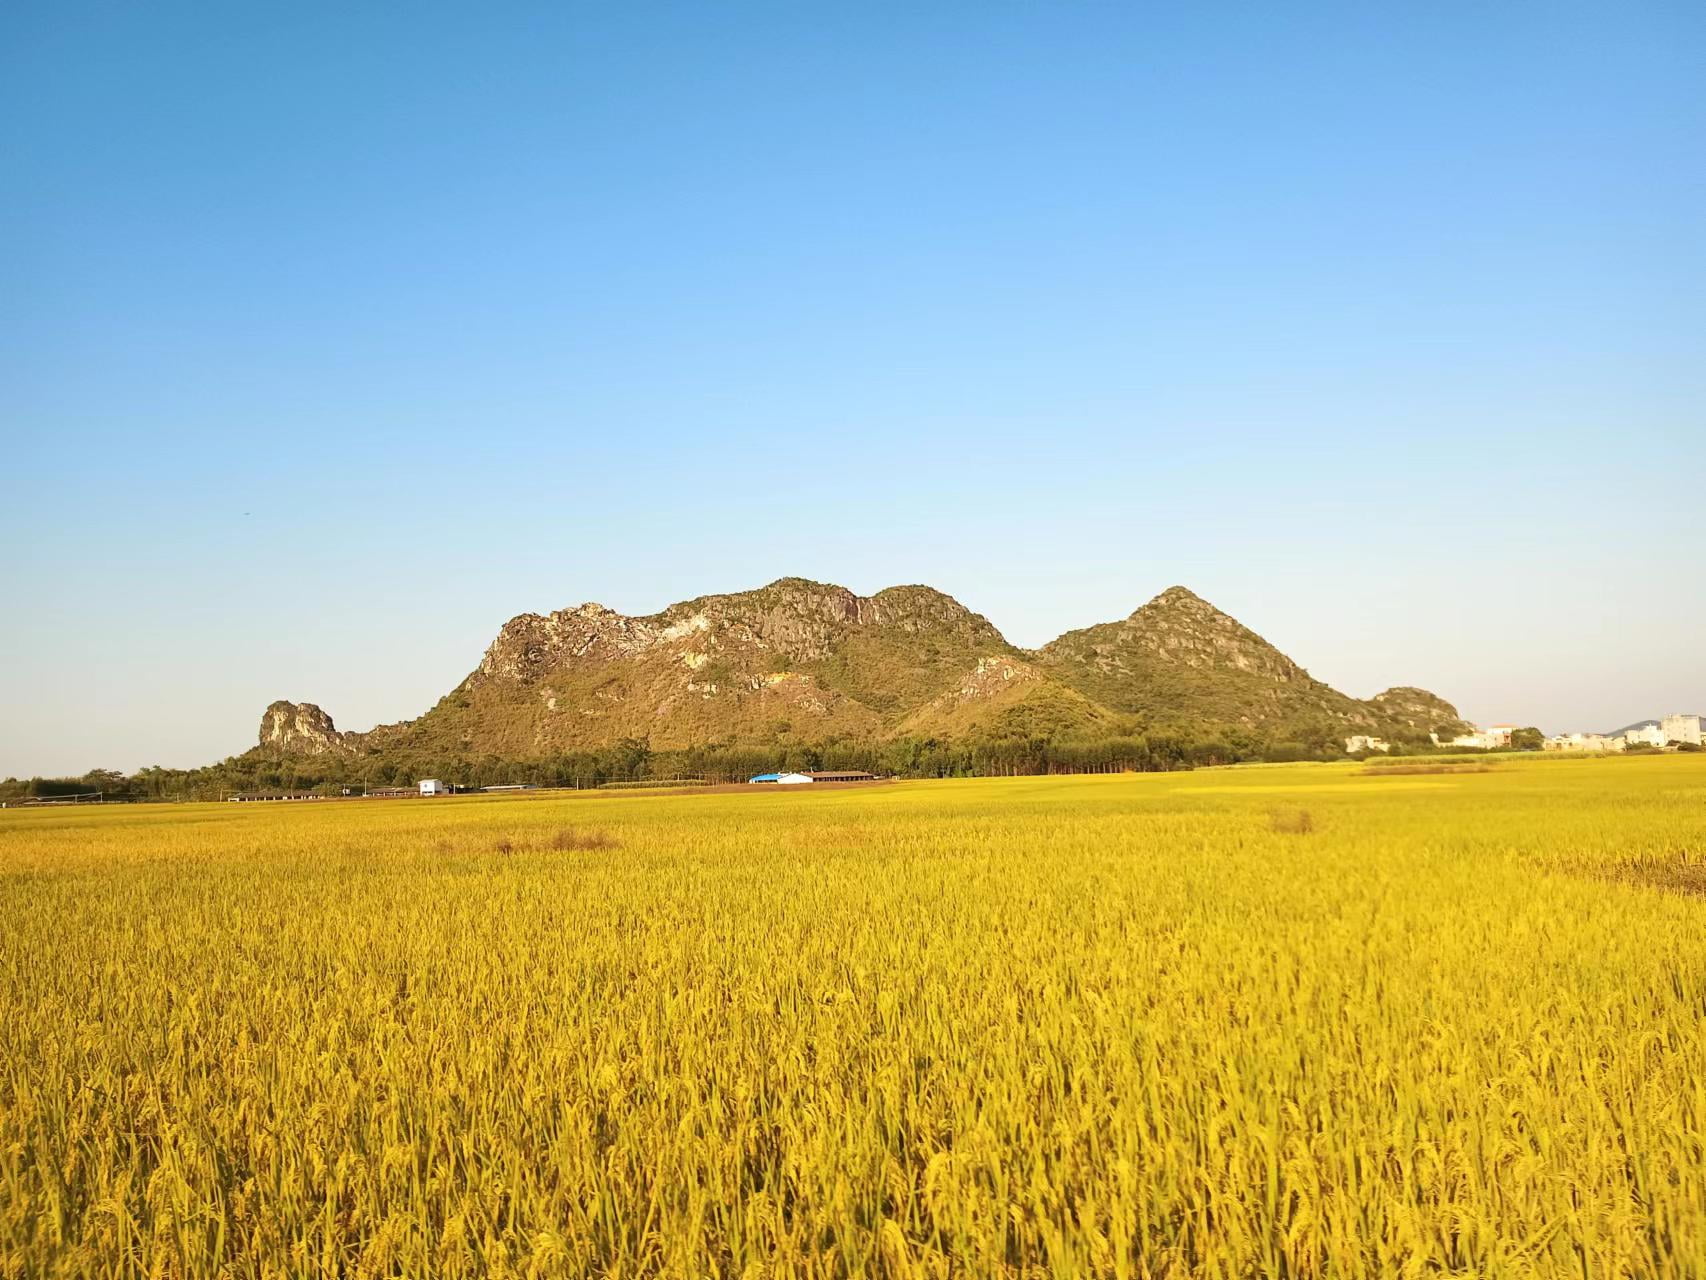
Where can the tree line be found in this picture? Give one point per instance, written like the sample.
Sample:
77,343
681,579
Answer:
635,760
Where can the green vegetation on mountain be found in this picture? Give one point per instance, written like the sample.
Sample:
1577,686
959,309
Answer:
1010,698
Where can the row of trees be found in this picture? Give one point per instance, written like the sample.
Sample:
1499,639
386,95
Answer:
634,760
1128,749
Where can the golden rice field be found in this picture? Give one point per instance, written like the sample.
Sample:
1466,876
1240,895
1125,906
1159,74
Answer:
1290,1021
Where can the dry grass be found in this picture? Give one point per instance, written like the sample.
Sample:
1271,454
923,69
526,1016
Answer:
1683,871
568,839
1291,822
571,838
1402,770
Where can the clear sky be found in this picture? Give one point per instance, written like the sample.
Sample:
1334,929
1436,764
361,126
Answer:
331,336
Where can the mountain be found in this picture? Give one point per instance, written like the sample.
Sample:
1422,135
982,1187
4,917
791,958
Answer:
794,660
1179,660
802,661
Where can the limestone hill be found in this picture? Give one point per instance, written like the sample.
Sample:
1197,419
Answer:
801,661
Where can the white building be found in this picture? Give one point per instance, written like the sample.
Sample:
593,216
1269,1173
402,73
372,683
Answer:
1681,728
1646,735
1363,742
433,787
1583,742
1482,739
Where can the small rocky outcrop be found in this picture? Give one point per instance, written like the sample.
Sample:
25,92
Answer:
1419,711
300,728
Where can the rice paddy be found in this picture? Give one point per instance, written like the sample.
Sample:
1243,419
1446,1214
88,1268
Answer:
1288,1021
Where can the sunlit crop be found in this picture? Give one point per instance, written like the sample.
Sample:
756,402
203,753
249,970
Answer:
1294,1021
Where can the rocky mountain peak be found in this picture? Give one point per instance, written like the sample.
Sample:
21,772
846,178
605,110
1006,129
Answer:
530,643
1180,626
299,728
1177,597
800,599
1181,605
917,608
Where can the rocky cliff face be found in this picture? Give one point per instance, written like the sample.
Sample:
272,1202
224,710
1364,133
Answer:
299,728
792,619
802,660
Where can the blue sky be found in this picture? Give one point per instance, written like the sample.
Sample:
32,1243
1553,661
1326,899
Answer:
336,335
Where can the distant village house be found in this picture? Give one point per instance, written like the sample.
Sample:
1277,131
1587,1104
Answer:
1582,742
1672,729
1493,739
